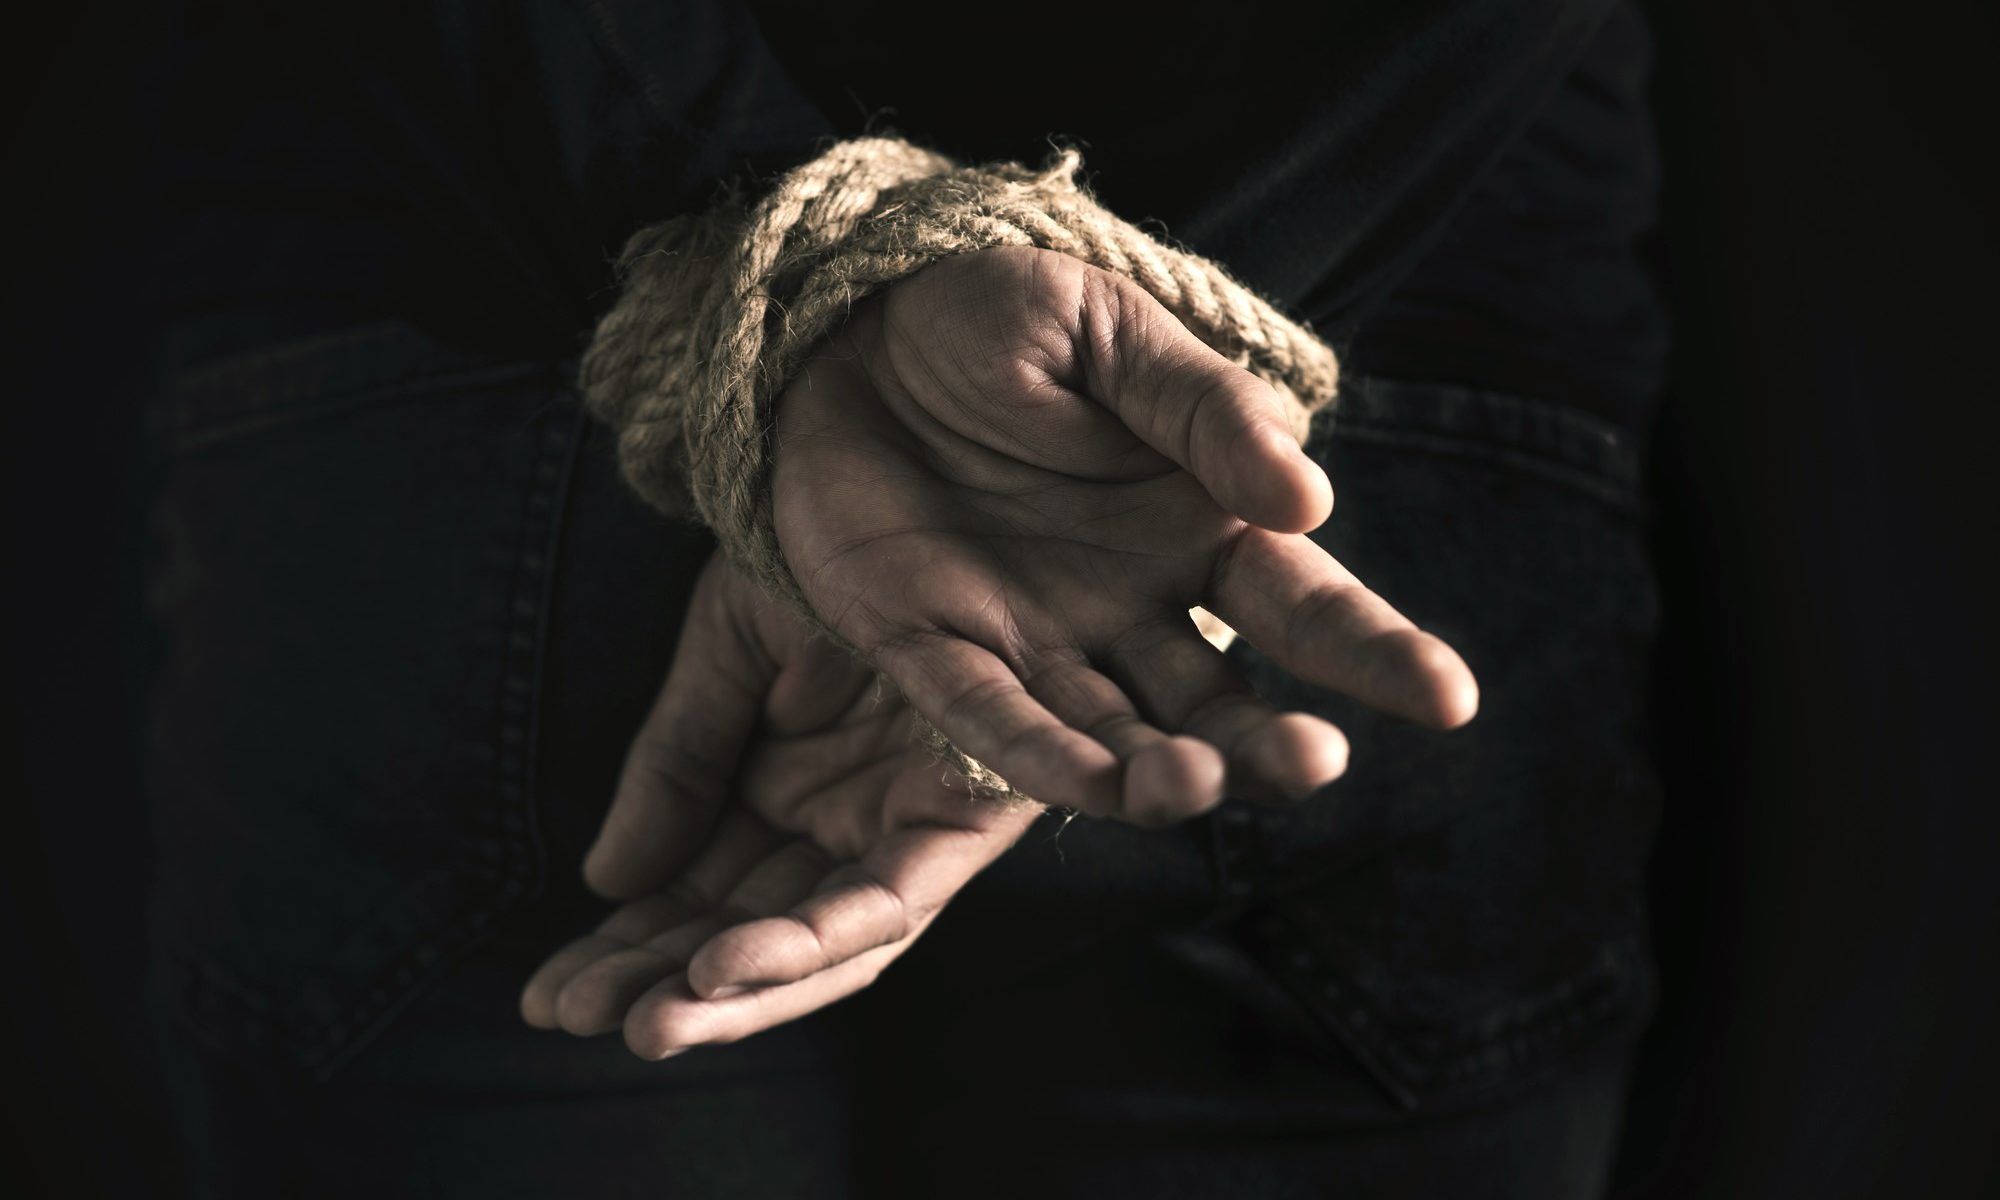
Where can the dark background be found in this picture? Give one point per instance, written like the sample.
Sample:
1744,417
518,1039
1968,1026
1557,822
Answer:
1828,896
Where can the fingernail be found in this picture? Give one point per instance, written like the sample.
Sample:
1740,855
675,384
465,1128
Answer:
726,991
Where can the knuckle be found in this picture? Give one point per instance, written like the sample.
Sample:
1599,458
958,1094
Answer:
1229,549
899,917
1027,741
1123,732
810,937
973,701
1320,614
734,958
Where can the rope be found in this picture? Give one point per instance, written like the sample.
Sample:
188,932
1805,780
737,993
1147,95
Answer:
718,311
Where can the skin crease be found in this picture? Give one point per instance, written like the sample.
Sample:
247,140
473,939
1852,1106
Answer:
1004,483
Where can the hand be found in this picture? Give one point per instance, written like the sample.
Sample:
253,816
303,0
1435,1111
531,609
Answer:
779,830
1008,479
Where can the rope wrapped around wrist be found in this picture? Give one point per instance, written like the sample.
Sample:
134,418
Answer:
719,310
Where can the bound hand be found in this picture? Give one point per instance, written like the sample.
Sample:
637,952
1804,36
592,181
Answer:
1008,479
780,832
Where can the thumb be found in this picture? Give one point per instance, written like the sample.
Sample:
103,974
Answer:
683,761
1226,427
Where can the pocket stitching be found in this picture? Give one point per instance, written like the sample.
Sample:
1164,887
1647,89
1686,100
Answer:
1536,1032
1535,437
234,1014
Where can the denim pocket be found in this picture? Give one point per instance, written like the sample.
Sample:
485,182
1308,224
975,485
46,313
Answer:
1465,909
353,540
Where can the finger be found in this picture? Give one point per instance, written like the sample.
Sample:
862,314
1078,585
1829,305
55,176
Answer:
830,784
679,768
598,996
738,845
538,998
671,1018
779,882
596,999
1190,686
975,700
1167,779
631,925
1228,428
889,897
1294,602
820,685
852,913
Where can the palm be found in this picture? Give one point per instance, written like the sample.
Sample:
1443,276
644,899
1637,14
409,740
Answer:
1065,554
970,487
798,869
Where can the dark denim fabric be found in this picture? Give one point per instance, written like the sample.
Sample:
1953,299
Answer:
1456,187
1465,910
409,618
355,542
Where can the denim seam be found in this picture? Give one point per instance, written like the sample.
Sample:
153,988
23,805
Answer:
614,49
510,802
1411,1067
1532,1031
1406,1070
1467,448
1549,439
